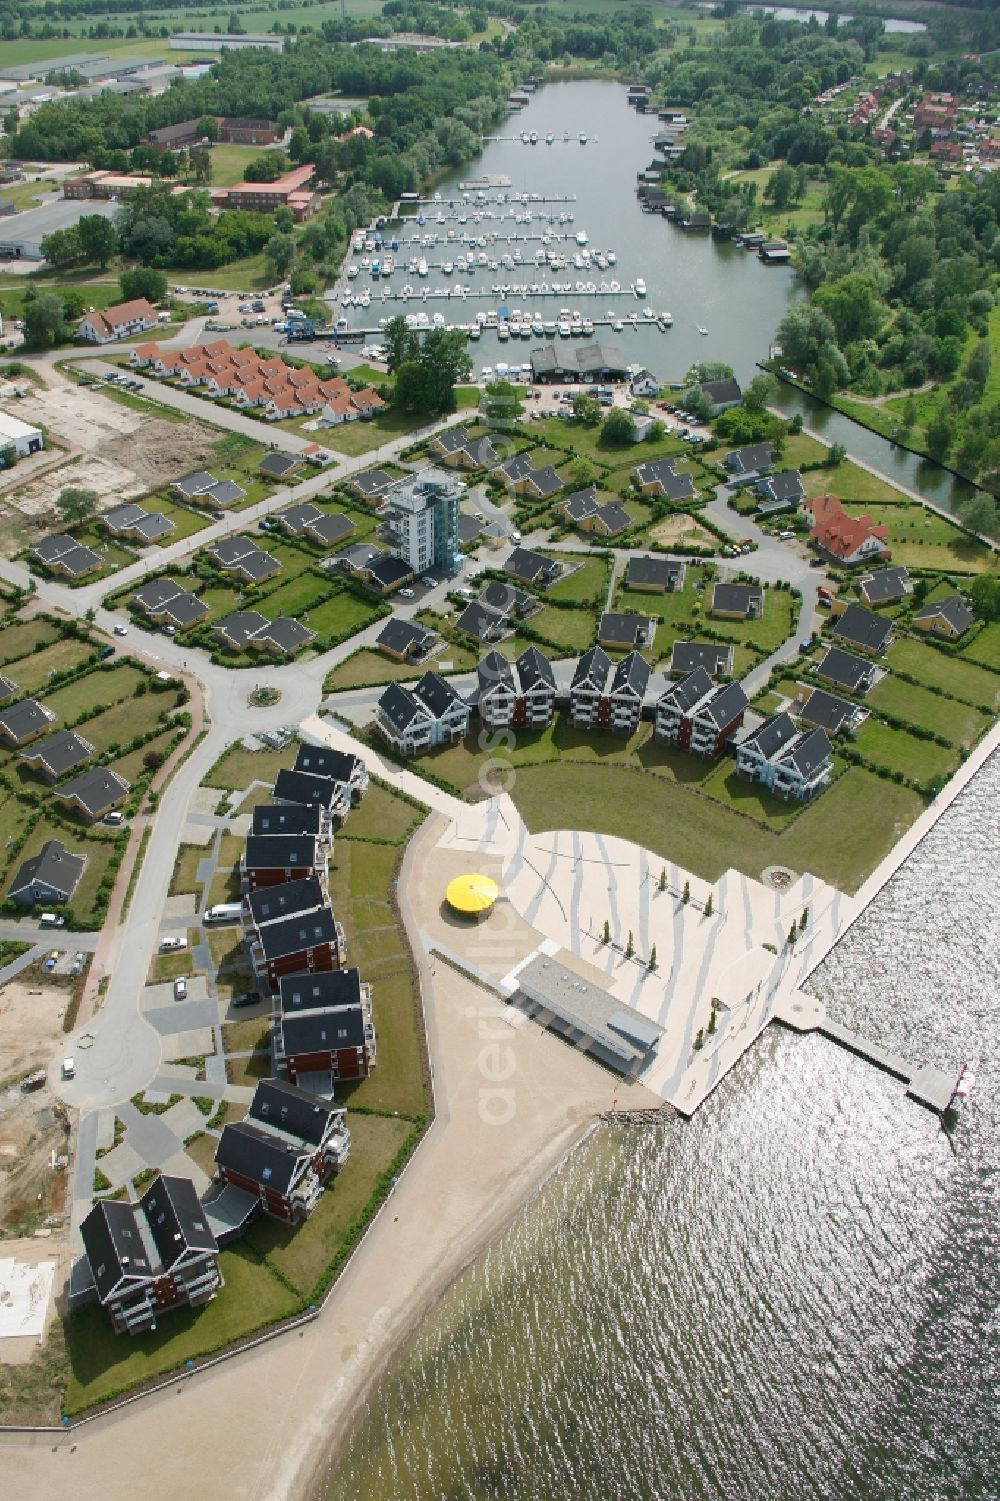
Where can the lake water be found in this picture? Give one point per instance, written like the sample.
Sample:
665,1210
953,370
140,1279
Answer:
791,1298
892,24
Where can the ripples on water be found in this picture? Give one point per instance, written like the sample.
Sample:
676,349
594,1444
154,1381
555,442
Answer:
810,1242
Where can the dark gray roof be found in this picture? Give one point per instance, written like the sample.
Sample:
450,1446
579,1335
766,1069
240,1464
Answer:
195,483
655,471
399,706
826,711
886,585
841,667
520,467
280,851
154,593
67,552
130,517
631,675
60,752
302,932
163,596
494,669
478,620
773,735
533,668
809,752
241,553
371,482
95,789
314,990
286,899
387,571
323,1030
581,504
862,628
25,718
285,633
113,1242
458,440
398,635
714,656
436,694
286,1107
592,669
176,1220
623,629
726,705
506,597
53,867
689,691
614,516
241,626
294,518
530,566
784,487
306,787
330,527
720,391
663,572
262,1156
285,818
749,460
7,687
325,761
741,597
277,465
954,609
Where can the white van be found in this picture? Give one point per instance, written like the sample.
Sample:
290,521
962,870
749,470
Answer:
51,920
225,912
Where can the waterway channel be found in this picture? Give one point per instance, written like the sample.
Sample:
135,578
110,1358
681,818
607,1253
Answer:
793,1296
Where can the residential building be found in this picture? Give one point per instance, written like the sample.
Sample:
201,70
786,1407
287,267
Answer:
698,715
278,465
370,484
948,618
273,858
656,575
508,599
24,721
516,694
267,385
790,762
307,787
847,671
150,1257
783,491
305,941
118,322
166,603
723,394
458,450
714,656
578,362
404,640
249,630
659,479
422,520
324,1031
340,766
49,876
622,631
414,719
748,463
606,699
325,528
240,132
291,190
887,586
584,511
136,523
57,754
199,481
63,555
22,437
532,568
286,1150
860,628
109,186
846,539
482,623
627,694
522,478
243,558
289,818
94,793
826,711
644,384
738,601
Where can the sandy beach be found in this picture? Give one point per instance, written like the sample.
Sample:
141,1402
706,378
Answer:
511,1101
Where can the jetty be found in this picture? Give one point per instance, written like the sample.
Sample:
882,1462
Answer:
927,1085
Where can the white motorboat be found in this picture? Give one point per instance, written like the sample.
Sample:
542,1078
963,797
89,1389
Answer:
448,268
421,267
702,330
581,237
563,329
640,287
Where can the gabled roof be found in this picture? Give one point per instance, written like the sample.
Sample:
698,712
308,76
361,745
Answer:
614,516
195,483
399,706
370,482
592,670
25,718
314,990
480,621
307,787
67,553
457,440
720,391
302,932
520,467
176,1220
771,737
885,585
326,761
741,597
295,518
826,711
716,657
506,597
862,628
581,504
277,465
662,572
240,627
114,1245
494,670
285,1107
785,486
843,668
52,867
529,566
953,609
689,692
437,695
631,675
280,851
749,460
95,789
622,628
130,517
398,635
809,752
286,899
325,1029
261,1155
534,667
60,752
285,818
726,704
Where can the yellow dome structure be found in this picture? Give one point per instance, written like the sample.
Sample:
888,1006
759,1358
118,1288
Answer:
472,895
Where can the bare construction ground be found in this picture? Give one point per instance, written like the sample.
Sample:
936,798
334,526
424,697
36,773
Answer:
32,1126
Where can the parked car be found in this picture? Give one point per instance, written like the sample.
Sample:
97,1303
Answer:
406,594
51,960
245,998
76,968
69,1068
120,630
824,595
173,942
180,989
114,818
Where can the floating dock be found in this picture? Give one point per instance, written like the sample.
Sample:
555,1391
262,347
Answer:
929,1086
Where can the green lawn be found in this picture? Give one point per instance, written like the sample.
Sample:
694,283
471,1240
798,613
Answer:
97,688
98,851
919,759
102,1362
382,814
940,669
920,538
225,885
366,666
119,723
22,638
586,443
131,766
239,767
32,673
339,613
956,722
985,647
569,631
849,481
301,1253
183,881
353,438
588,582
229,164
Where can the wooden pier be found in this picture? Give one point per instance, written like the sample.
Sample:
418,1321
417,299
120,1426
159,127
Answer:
929,1086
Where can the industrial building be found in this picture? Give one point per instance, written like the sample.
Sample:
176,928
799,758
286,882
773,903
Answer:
22,234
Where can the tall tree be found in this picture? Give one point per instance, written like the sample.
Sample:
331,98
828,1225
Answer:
98,239
76,505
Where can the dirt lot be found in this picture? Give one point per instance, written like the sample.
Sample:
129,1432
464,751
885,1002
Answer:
681,528
31,1130
30,1026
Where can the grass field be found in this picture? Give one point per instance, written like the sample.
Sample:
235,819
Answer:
985,647
570,631
31,673
919,759
586,583
239,767
183,882
920,538
959,724
381,814
229,164
949,673
366,666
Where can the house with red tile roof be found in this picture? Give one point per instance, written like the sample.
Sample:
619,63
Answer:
118,322
847,539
